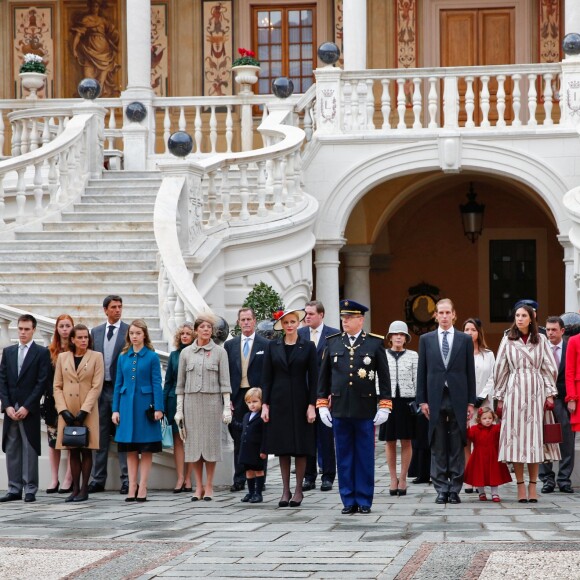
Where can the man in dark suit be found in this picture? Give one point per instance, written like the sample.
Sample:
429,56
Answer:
347,402
446,394
245,358
25,371
315,330
555,333
109,340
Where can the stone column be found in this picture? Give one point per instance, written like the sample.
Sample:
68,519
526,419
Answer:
357,286
572,16
326,262
138,144
354,40
570,290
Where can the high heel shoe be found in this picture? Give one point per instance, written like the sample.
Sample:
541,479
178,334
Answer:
134,498
394,491
532,499
65,489
53,489
294,503
523,499
401,492
284,502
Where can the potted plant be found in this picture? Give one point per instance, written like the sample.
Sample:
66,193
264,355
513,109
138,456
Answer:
246,69
32,74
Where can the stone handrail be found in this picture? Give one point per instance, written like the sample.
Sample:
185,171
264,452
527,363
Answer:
481,97
275,170
44,328
59,169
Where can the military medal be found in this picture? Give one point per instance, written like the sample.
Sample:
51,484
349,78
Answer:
371,375
367,360
362,373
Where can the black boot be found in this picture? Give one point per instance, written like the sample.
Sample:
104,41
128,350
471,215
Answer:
257,497
251,488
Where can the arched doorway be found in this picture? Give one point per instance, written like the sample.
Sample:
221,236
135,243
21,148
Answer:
411,229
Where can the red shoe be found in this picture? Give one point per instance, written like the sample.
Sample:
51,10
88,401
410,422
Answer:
482,497
495,498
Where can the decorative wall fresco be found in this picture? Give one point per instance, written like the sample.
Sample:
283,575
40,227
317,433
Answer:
406,41
217,48
550,25
338,31
159,49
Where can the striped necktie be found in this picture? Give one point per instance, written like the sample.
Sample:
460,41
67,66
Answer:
445,345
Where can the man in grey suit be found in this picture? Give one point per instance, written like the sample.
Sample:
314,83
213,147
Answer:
446,393
24,376
108,339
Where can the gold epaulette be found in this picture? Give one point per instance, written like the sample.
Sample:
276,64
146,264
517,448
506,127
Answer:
376,335
385,404
321,403
333,335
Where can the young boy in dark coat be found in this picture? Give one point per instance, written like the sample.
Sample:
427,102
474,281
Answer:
252,447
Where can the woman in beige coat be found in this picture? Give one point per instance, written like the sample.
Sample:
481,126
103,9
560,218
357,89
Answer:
78,380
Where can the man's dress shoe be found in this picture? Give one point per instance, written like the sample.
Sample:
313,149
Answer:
364,509
308,485
442,497
349,509
29,498
326,485
95,487
10,497
124,488
565,489
454,497
237,486
548,488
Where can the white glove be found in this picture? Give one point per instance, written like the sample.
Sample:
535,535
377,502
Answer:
178,418
227,414
325,416
381,416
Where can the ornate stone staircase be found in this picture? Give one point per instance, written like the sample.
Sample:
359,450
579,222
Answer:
103,245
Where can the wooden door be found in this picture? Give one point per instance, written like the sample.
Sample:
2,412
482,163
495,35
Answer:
479,37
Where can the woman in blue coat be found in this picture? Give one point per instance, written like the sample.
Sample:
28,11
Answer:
138,407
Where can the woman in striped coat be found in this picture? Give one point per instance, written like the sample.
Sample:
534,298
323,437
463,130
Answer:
525,379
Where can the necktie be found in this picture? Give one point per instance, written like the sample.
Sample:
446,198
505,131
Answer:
246,350
556,355
352,339
110,332
314,335
21,355
445,344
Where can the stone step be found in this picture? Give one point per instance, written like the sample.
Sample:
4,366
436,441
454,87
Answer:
72,227
128,174
17,265
84,235
70,288
122,191
85,249
106,198
45,273
139,304
106,218
127,180
127,209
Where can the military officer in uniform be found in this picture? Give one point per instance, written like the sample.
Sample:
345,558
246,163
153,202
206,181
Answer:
348,400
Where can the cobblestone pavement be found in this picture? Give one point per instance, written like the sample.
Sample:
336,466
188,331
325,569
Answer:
403,537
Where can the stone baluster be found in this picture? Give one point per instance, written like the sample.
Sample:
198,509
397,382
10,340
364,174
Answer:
308,130
277,186
401,103
166,129
469,102
298,172
25,137
38,190
182,123
4,333
179,312
485,101
2,136
262,211
532,102
52,180
386,104
171,300
548,104
211,198
63,176
225,193
16,139
500,101
46,131
432,102
284,182
198,127
354,105
516,99
20,195
73,169
244,191
60,126
213,130
288,169
347,94
112,126
46,336
417,105
34,141
370,105
229,129
2,202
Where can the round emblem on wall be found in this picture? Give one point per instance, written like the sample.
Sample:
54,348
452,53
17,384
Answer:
420,308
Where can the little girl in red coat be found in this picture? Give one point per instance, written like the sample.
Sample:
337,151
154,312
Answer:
483,468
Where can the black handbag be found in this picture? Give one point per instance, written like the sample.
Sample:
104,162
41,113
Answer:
74,436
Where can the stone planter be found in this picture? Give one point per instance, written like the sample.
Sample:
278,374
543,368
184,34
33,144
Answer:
246,76
32,82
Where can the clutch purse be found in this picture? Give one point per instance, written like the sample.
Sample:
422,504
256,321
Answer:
414,408
150,413
552,433
73,436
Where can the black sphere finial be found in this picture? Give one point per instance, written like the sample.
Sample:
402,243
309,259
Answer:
328,52
571,44
136,112
282,87
89,89
180,144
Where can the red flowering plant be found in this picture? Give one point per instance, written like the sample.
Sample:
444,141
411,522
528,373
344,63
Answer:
247,57
277,315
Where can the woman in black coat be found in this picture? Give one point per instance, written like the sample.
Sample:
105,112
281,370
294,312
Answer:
289,379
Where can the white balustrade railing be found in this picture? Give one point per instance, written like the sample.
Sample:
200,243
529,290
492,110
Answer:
202,196
44,329
452,97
